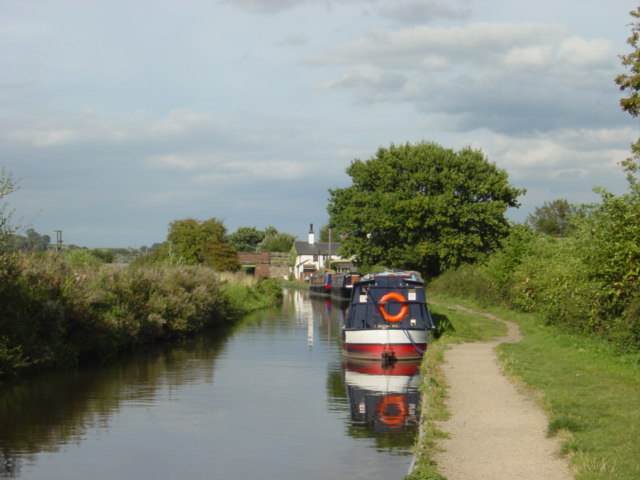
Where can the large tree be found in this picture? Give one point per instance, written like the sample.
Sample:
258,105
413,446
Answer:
553,218
33,241
246,239
275,241
193,242
422,206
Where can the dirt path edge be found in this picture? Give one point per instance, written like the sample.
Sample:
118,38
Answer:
495,431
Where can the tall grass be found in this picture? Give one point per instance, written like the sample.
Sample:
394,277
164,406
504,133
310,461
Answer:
57,314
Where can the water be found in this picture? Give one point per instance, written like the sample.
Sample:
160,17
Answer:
268,400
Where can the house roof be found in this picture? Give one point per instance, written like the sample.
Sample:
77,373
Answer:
318,248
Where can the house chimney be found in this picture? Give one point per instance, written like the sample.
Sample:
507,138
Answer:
312,238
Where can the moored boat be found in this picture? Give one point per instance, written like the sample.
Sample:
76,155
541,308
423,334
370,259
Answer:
321,282
388,318
342,284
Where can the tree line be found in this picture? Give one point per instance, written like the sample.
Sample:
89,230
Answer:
189,242
194,242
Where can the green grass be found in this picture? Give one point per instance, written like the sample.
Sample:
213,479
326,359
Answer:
461,326
590,391
591,394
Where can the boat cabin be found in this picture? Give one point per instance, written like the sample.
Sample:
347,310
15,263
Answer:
389,300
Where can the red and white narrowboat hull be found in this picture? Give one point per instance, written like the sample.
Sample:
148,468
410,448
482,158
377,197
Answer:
385,343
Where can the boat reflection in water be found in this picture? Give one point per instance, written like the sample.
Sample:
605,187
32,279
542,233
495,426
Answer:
383,397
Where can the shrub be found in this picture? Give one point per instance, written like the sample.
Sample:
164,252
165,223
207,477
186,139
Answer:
471,281
57,314
82,257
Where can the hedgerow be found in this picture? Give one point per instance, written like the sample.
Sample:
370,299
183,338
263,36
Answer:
587,282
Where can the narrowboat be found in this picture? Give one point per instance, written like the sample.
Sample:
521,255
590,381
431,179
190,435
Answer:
342,284
387,318
321,282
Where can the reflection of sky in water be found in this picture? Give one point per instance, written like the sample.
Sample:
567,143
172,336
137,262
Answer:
265,402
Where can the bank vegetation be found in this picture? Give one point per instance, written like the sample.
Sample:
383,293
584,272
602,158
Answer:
57,313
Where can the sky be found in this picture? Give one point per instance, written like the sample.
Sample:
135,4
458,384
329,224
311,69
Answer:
119,117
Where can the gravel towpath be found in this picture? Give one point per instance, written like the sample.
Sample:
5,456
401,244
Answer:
496,431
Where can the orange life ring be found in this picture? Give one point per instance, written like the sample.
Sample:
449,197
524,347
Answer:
395,417
404,307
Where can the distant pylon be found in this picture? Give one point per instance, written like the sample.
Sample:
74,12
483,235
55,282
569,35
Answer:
58,240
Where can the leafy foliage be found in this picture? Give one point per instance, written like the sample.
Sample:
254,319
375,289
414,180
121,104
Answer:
32,241
81,257
553,218
422,207
246,239
7,186
610,247
275,241
58,314
191,242
631,84
587,282
250,239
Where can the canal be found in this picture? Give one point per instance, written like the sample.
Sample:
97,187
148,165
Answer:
271,398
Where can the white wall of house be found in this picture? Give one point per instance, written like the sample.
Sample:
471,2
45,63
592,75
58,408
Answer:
312,255
318,262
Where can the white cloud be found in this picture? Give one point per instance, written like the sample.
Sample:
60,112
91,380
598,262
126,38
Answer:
581,52
536,56
589,153
407,48
172,161
44,138
509,77
372,81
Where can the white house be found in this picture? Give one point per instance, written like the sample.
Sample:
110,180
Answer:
312,256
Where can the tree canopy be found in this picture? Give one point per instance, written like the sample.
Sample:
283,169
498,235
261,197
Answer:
275,241
31,241
193,242
246,239
630,82
553,218
422,206
250,239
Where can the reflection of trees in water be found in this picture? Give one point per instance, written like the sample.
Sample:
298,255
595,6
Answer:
45,412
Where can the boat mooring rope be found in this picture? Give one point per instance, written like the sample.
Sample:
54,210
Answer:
418,349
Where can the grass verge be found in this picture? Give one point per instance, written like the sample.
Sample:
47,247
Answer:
591,394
